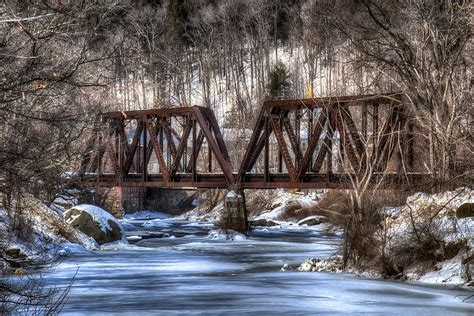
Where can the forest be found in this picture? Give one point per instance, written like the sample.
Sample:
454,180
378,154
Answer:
65,61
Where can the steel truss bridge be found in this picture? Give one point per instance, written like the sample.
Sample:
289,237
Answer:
333,142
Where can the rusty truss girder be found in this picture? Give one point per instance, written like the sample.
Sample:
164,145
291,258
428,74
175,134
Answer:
306,143
332,138
122,148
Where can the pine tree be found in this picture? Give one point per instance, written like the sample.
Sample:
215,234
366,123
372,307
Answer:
279,83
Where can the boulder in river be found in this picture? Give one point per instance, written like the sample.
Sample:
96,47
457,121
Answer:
333,264
263,222
308,265
312,220
286,267
465,210
226,234
95,222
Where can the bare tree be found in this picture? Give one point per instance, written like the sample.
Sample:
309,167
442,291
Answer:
425,48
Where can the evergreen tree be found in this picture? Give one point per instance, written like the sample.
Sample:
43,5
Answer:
279,83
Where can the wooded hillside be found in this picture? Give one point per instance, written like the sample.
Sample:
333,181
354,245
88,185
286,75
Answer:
65,61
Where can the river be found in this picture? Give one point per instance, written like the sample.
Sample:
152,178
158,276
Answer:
188,273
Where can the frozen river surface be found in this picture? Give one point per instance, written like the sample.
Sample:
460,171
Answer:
191,274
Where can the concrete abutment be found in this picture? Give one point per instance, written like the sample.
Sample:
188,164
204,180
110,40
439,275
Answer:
119,200
122,200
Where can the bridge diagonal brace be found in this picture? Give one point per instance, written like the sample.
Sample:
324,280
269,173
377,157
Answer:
213,144
182,145
274,122
123,139
132,149
168,134
348,149
90,153
157,150
97,161
218,136
324,150
253,150
112,152
315,135
149,149
258,148
384,150
175,134
293,140
198,146
355,136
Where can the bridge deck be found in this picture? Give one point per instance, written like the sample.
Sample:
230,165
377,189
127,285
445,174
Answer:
255,181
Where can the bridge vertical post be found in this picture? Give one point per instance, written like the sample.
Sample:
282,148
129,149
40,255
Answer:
194,156
364,121
331,128
410,145
145,158
308,137
298,136
375,127
266,171
99,157
209,152
280,157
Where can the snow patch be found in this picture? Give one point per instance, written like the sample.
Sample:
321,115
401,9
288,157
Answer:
145,215
283,201
232,194
449,272
226,234
157,223
117,245
99,215
69,249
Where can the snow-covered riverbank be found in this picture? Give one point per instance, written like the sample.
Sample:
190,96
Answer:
186,263
190,273
425,240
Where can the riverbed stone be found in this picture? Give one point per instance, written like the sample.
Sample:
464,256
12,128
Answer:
286,267
16,253
85,222
226,234
19,272
333,264
312,220
308,265
263,222
465,210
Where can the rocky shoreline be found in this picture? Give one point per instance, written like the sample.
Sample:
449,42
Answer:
452,257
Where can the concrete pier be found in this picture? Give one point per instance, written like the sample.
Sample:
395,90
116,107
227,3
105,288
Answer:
234,215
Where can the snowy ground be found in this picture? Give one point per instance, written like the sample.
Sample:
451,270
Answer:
177,266
47,235
439,209
278,202
434,216
283,199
